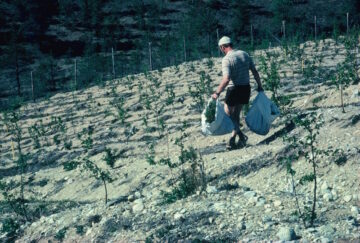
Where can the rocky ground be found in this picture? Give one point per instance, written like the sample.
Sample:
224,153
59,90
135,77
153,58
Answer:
248,196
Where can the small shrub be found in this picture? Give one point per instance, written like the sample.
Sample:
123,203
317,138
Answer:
169,89
43,182
355,119
67,145
71,165
110,158
60,235
56,139
87,142
307,146
80,229
94,219
339,157
209,63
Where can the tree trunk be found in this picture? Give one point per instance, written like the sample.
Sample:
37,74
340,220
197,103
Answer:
52,77
342,99
106,194
313,215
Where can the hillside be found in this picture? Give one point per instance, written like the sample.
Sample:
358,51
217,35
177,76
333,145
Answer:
45,37
248,195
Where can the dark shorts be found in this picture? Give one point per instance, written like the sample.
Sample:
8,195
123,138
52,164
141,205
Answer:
237,95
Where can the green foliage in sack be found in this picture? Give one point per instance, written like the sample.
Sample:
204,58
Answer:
210,112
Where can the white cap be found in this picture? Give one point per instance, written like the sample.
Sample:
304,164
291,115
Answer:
224,40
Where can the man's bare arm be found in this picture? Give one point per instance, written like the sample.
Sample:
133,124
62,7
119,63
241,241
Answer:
224,82
257,77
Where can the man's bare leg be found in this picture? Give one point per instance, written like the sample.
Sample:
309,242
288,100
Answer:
232,112
242,136
229,110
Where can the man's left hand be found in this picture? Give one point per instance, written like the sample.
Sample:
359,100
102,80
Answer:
214,96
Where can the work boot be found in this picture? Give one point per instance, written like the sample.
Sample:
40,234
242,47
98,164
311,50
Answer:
242,140
231,143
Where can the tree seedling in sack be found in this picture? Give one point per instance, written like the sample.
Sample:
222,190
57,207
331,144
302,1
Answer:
210,112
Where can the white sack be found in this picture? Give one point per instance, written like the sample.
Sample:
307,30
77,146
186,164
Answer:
222,124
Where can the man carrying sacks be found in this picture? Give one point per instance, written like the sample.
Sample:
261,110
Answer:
235,74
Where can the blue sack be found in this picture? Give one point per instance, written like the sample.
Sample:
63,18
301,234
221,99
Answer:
261,114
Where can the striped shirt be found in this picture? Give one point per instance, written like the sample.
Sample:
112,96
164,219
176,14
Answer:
236,64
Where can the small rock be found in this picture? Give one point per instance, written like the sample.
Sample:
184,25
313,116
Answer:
137,195
250,194
277,203
311,230
219,206
335,195
222,226
241,218
286,233
328,197
138,206
253,200
241,225
211,220
327,231
211,189
260,202
126,214
178,216
131,198
347,198
268,210
324,187
355,210
325,240
267,218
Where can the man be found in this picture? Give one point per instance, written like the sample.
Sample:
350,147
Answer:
235,71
